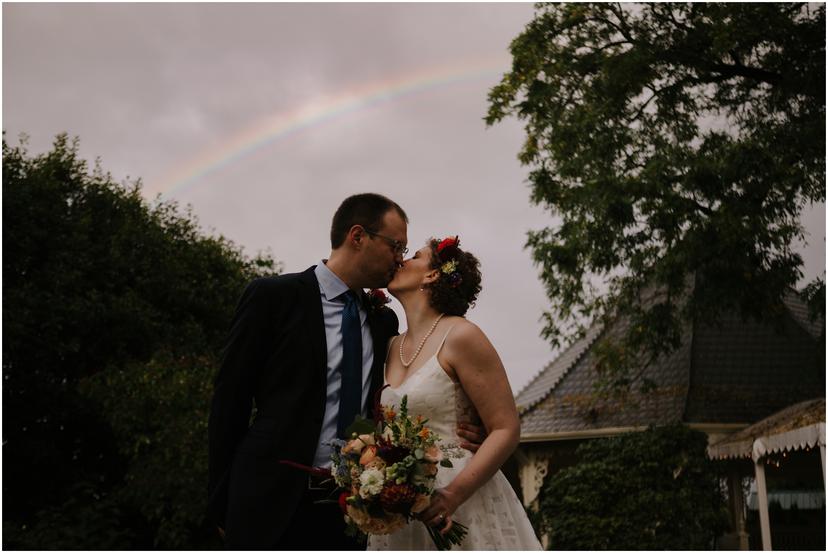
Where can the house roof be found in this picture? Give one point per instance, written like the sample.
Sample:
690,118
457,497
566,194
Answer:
798,309
730,373
542,384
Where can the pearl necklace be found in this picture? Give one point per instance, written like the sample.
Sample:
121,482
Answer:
422,343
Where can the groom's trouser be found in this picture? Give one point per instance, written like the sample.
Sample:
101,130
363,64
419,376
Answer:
318,526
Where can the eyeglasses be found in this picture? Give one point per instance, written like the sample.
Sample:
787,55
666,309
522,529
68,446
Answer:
396,245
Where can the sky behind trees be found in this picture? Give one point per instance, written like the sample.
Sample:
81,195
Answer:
264,117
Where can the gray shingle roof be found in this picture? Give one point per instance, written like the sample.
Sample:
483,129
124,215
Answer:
542,385
744,370
568,406
733,372
798,308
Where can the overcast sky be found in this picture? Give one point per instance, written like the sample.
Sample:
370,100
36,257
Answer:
264,117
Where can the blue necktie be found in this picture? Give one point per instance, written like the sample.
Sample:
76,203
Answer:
350,394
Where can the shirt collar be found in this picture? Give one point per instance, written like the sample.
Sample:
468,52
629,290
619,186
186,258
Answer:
330,284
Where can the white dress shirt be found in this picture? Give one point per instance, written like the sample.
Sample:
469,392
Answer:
330,287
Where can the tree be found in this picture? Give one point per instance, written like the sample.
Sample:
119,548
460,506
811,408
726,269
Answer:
158,412
678,144
653,490
103,293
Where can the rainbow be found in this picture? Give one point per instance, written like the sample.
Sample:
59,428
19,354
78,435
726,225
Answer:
318,112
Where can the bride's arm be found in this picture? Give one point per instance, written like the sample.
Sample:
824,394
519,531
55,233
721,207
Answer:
474,361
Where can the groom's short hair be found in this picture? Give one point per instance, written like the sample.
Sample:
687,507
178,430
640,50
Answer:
366,209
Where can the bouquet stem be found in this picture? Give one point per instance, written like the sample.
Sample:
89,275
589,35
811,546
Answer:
453,537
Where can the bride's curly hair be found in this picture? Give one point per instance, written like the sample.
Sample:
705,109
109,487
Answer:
448,297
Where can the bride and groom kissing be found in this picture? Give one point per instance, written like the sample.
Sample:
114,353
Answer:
311,349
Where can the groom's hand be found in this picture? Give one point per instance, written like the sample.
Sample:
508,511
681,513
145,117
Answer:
220,532
471,435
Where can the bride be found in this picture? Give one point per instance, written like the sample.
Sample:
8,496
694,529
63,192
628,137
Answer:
452,374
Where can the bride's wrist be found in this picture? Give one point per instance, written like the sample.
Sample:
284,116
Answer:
453,496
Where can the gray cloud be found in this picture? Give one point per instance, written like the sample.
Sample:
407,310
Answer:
149,86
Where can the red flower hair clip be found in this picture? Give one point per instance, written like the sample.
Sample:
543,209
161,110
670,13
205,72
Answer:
447,251
447,248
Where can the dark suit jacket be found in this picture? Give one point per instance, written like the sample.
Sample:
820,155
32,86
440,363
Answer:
276,355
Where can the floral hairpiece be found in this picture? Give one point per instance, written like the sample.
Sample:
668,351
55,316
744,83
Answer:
447,251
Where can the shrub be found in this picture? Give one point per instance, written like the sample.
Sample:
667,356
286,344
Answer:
646,490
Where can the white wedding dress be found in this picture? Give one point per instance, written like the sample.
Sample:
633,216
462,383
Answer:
495,518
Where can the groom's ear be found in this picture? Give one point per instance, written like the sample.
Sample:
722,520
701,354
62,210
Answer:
355,235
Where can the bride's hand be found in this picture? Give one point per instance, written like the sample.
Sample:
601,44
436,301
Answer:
443,504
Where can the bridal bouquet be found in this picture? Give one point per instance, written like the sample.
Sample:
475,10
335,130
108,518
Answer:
387,473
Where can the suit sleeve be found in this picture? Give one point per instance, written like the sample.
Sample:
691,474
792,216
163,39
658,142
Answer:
392,324
244,354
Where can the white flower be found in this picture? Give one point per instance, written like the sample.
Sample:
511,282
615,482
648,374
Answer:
371,481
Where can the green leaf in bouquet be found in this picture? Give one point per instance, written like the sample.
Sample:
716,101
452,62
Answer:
446,463
360,426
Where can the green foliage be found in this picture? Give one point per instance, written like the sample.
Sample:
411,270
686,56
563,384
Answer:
653,490
360,426
100,291
88,520
677,143
158,411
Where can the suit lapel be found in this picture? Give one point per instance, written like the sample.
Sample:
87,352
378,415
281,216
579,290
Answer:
379,336
315,324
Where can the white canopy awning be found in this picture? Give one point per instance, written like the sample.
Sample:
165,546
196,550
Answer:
755,448
800,426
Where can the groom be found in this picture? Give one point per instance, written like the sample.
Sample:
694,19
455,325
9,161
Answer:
298,343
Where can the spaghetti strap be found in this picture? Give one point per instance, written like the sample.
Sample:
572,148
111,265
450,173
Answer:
388,349
444,340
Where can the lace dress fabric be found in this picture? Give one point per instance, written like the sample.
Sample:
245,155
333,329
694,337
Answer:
495,518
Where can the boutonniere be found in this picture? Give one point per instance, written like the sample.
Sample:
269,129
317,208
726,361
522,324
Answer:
377,299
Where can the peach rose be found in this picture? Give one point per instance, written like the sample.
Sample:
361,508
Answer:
421,502
433,454
368,455
375,463
354,446
430,469
376,525
367,439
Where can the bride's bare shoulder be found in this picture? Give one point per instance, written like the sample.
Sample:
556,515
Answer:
464,333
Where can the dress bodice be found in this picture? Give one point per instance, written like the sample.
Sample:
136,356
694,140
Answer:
493,514
435,396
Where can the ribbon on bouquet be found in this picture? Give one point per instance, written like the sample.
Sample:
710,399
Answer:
315,471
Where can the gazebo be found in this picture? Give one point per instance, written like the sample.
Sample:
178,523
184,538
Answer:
800,427
724,377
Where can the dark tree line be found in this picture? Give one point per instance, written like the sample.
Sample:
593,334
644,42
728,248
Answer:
114,313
